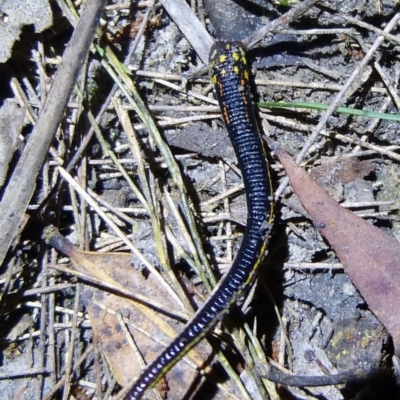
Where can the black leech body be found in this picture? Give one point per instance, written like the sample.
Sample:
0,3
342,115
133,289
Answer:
230,76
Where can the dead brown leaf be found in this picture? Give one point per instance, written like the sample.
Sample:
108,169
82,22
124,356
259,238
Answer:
371,258
123,324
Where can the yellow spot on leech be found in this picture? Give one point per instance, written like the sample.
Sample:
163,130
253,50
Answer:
236,56
222,58
246,75
236,69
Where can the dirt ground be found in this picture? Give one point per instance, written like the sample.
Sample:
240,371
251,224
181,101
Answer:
160,211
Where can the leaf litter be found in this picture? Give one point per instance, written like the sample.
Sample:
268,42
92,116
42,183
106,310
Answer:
326,314
123,326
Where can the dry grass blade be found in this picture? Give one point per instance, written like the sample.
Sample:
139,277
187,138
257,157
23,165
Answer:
131,93
280,22
22,185
134,250
190,26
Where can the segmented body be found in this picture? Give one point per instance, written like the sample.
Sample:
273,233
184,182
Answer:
230,75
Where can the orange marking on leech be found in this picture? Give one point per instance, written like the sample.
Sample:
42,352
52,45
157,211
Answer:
225,115
224,111
245,101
